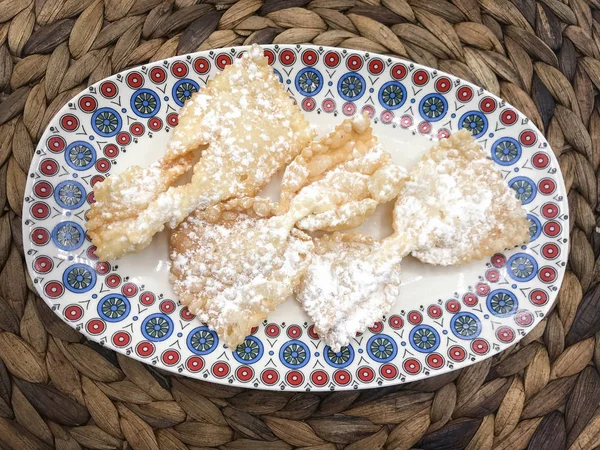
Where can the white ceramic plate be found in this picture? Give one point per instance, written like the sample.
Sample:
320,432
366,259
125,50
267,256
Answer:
446,317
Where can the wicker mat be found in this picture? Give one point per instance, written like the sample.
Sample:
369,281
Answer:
56,390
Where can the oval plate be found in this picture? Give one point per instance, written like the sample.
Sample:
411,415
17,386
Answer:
447,317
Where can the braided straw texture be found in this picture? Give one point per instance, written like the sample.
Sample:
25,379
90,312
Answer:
58,391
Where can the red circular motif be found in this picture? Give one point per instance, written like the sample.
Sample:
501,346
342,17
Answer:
396,322
170,357
39,236
137,129
195,363
121,339
319,377
167,306
48,167
420,77
349,108
487,105
453,306
309,57
406,121
354,63
155,124
412,366
294,378
103,165
220,369
508,117
492,275
90,199
134,80
376,66
547,274
331,59
270,56
102,268
369,110
365,374
56,144
269,376
201,65
96,179
470,299
73,312
287,57
95,326
424,127
538,297
434,311
482,289
40,210
398,71
308,104
87,103
173,119
552,228
443,85
528,138
54,289
244,373
111,151
550,250
294,332
145,349
464,94
42,189
505,334
272,330
185,314
547,186
112,281
457,353
158,75
524,318
109,89
124,138
147,298
415,317
387,116
377,327
342,377
388,371
179,69
550,210
435,361
328,105
69,122
43,264
480,346
498,260
129,290
443,133
540,160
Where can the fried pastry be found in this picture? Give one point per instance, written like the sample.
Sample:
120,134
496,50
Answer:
233,264
455,207
232,268
247,128
350,161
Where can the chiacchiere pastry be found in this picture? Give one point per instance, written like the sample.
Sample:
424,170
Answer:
454,207
247,128
233,264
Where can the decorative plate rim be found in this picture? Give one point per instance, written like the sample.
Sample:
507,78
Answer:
227,380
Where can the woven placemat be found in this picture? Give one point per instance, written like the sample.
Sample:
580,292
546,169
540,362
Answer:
59,391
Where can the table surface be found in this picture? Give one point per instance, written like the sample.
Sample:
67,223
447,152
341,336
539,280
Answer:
59,391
